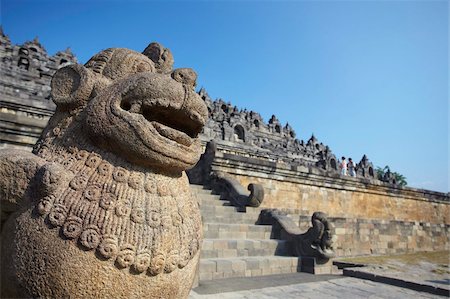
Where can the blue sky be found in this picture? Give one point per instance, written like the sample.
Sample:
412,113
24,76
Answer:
366,77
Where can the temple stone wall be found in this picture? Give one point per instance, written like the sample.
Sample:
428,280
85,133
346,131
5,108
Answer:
25,105
338,201
370,216
371,236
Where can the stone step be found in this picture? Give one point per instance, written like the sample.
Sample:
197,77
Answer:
203,191
232,217
225,248
236,231
207,197
234,246
228,210
195,187
216,268
211,200
198,189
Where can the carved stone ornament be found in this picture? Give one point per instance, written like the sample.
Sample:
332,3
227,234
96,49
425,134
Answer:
102,208
316,242
231,189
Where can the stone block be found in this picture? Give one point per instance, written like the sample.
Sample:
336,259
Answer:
242,252
207,245
255,234
209,254
238,265
264,263
255,252
229,274
205,276
223,265
339,231
217,275
276,270
229,253
254,244
285,262
220,244
212,234
244,244
266,271
311,265
252,264
207,266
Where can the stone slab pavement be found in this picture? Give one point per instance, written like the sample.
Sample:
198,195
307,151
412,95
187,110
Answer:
424,273
439,287
301,285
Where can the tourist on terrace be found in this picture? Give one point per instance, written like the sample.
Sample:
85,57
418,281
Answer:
343,166
351,167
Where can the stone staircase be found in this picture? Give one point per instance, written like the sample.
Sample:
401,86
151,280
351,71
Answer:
234,246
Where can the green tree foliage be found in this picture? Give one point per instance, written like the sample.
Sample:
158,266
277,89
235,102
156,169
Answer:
380,172
399,178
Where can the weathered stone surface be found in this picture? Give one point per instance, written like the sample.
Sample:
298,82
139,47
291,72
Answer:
102,208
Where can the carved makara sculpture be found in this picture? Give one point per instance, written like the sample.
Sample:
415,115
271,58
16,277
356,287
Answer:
102,208
316,242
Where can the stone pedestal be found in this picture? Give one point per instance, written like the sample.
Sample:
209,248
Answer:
316,266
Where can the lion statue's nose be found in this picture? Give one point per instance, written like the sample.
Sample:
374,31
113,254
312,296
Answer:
186,76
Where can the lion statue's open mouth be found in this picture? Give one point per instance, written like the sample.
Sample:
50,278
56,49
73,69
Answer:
155,119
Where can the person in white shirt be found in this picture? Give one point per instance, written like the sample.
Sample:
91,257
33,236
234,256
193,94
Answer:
351,167
343,166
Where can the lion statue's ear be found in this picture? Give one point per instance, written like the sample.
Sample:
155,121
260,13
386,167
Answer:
72,86
161,57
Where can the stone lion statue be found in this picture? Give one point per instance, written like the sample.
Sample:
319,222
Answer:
102,207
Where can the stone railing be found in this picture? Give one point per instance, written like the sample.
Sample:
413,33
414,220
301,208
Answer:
233,191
